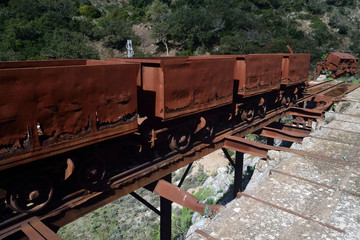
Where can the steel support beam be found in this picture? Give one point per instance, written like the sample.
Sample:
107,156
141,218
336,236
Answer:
183,198
293,129
260,150
238,166
291,136
146,203
165,214
228,157
185,174
36,230
246,146
307,113
239,162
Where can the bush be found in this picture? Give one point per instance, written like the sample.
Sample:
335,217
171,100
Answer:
343,30
114,33
64,44
90,11
316,7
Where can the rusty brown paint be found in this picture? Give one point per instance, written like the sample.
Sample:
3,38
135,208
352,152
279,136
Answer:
183,198
175,87
305,112
339,64
295,68
258,73
46,108
254,73
258,149
126,182
282,134
43,63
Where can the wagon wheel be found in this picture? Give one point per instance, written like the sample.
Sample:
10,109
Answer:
30,195
262,107
285,101
207,132
294,99
248,113
181,139
91,172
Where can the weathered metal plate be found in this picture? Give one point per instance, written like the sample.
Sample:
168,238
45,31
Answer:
295,68
262,70
192,86
255,73
174,87
336,58
42,106
42,63
339,64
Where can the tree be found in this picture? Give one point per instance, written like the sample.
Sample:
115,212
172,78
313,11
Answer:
64,44
90,11
195,28
115,33
157,13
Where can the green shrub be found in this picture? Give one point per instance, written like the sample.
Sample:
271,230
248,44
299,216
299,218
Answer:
90,11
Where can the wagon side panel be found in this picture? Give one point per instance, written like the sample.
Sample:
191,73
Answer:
48,109
298,68
262,74
192,86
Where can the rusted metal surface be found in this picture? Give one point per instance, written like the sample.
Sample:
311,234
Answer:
246,146
317,88
340,91
293,129
185,199
36,230
80,203
330,92
240,194
258,149
257,72
175,87
290,136
77,205
295,68
339,64
307,113
48,110
254,73
44,63
143,175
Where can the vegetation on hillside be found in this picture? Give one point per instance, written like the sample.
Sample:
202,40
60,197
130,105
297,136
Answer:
55,29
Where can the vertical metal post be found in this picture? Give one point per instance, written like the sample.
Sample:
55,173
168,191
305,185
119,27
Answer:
239,162
270,141
165,216
309,122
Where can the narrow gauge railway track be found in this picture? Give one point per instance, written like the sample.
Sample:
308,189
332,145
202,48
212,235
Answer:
76,204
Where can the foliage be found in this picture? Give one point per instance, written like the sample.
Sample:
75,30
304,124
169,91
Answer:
181,221
43,29
90,11
192,27
113,222
65,44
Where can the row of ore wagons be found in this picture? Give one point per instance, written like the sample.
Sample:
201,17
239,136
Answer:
52,107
